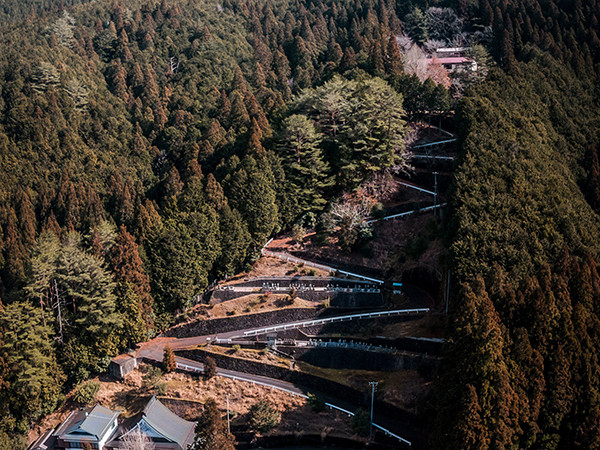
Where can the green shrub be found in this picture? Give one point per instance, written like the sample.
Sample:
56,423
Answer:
316,404
161,388
321,239
263,416
152,377
169,363
361,423
378,211
210,368
236,348
86,392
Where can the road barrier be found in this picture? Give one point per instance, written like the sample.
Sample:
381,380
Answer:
427,191
445,158
310,323
433,144
408,213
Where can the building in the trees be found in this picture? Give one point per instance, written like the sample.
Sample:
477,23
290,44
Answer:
449,52
91,426
165,429
453,59
455,63
99,428
123,364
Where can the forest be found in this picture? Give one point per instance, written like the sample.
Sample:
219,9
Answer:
521,366
149,148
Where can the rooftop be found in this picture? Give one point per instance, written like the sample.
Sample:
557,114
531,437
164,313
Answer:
95,422
167,423
160,424
450,60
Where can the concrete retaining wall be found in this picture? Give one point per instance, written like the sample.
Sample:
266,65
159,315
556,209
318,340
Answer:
336,299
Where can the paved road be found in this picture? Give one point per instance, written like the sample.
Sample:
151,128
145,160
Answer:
153,350
403,430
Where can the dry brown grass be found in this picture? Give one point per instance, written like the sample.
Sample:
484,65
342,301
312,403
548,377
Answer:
251,354
253,303
405,389
248,304
130,396
429,326
267,266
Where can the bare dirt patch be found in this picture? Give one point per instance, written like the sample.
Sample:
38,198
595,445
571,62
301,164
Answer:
257,303
248,304
250,354
268,266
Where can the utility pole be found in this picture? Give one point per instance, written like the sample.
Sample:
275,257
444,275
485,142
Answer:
60,322
228,423
435,195
373,387
447,290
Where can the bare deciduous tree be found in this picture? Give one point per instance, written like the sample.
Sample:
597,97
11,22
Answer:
350,213
137,440
415,62
379,187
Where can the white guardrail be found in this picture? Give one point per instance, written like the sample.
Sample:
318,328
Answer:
412,186
293,393
310,323
408,213
444,158
433,144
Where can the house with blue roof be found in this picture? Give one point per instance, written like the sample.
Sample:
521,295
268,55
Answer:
92,426
99,428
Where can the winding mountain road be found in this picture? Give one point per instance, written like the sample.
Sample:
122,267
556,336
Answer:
153,350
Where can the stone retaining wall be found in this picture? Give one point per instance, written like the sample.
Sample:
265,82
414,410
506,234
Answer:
245,321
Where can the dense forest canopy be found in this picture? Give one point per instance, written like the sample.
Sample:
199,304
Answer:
521,366
148,148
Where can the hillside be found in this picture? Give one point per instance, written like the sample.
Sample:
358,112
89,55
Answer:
150,148
522,361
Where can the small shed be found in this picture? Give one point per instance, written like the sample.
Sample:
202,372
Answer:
122,365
